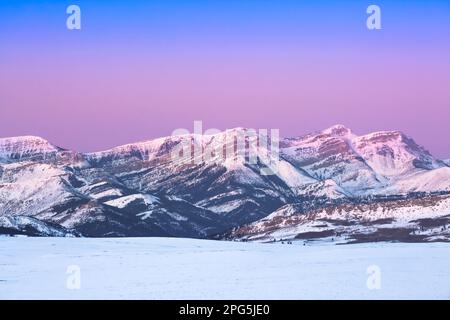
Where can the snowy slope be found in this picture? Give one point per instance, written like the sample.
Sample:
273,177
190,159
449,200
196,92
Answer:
427,181
20,225
145,150
123,202
391,153
27,188
408,219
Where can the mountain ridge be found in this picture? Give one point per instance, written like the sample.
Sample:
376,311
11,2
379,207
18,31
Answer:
207,195
337,129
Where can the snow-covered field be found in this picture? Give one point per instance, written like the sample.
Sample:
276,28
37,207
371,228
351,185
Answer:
162,268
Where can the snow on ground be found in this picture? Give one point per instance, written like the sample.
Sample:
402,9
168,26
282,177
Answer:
163,268
124,201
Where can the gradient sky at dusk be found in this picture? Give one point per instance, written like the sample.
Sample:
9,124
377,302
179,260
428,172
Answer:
140,69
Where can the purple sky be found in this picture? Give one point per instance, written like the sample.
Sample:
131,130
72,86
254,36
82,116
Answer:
134,73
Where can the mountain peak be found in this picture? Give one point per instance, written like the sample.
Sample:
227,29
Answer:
23,139
25,147
337,130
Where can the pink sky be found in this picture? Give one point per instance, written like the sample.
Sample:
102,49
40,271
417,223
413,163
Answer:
91,93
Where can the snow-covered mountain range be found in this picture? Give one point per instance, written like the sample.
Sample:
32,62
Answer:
331,184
